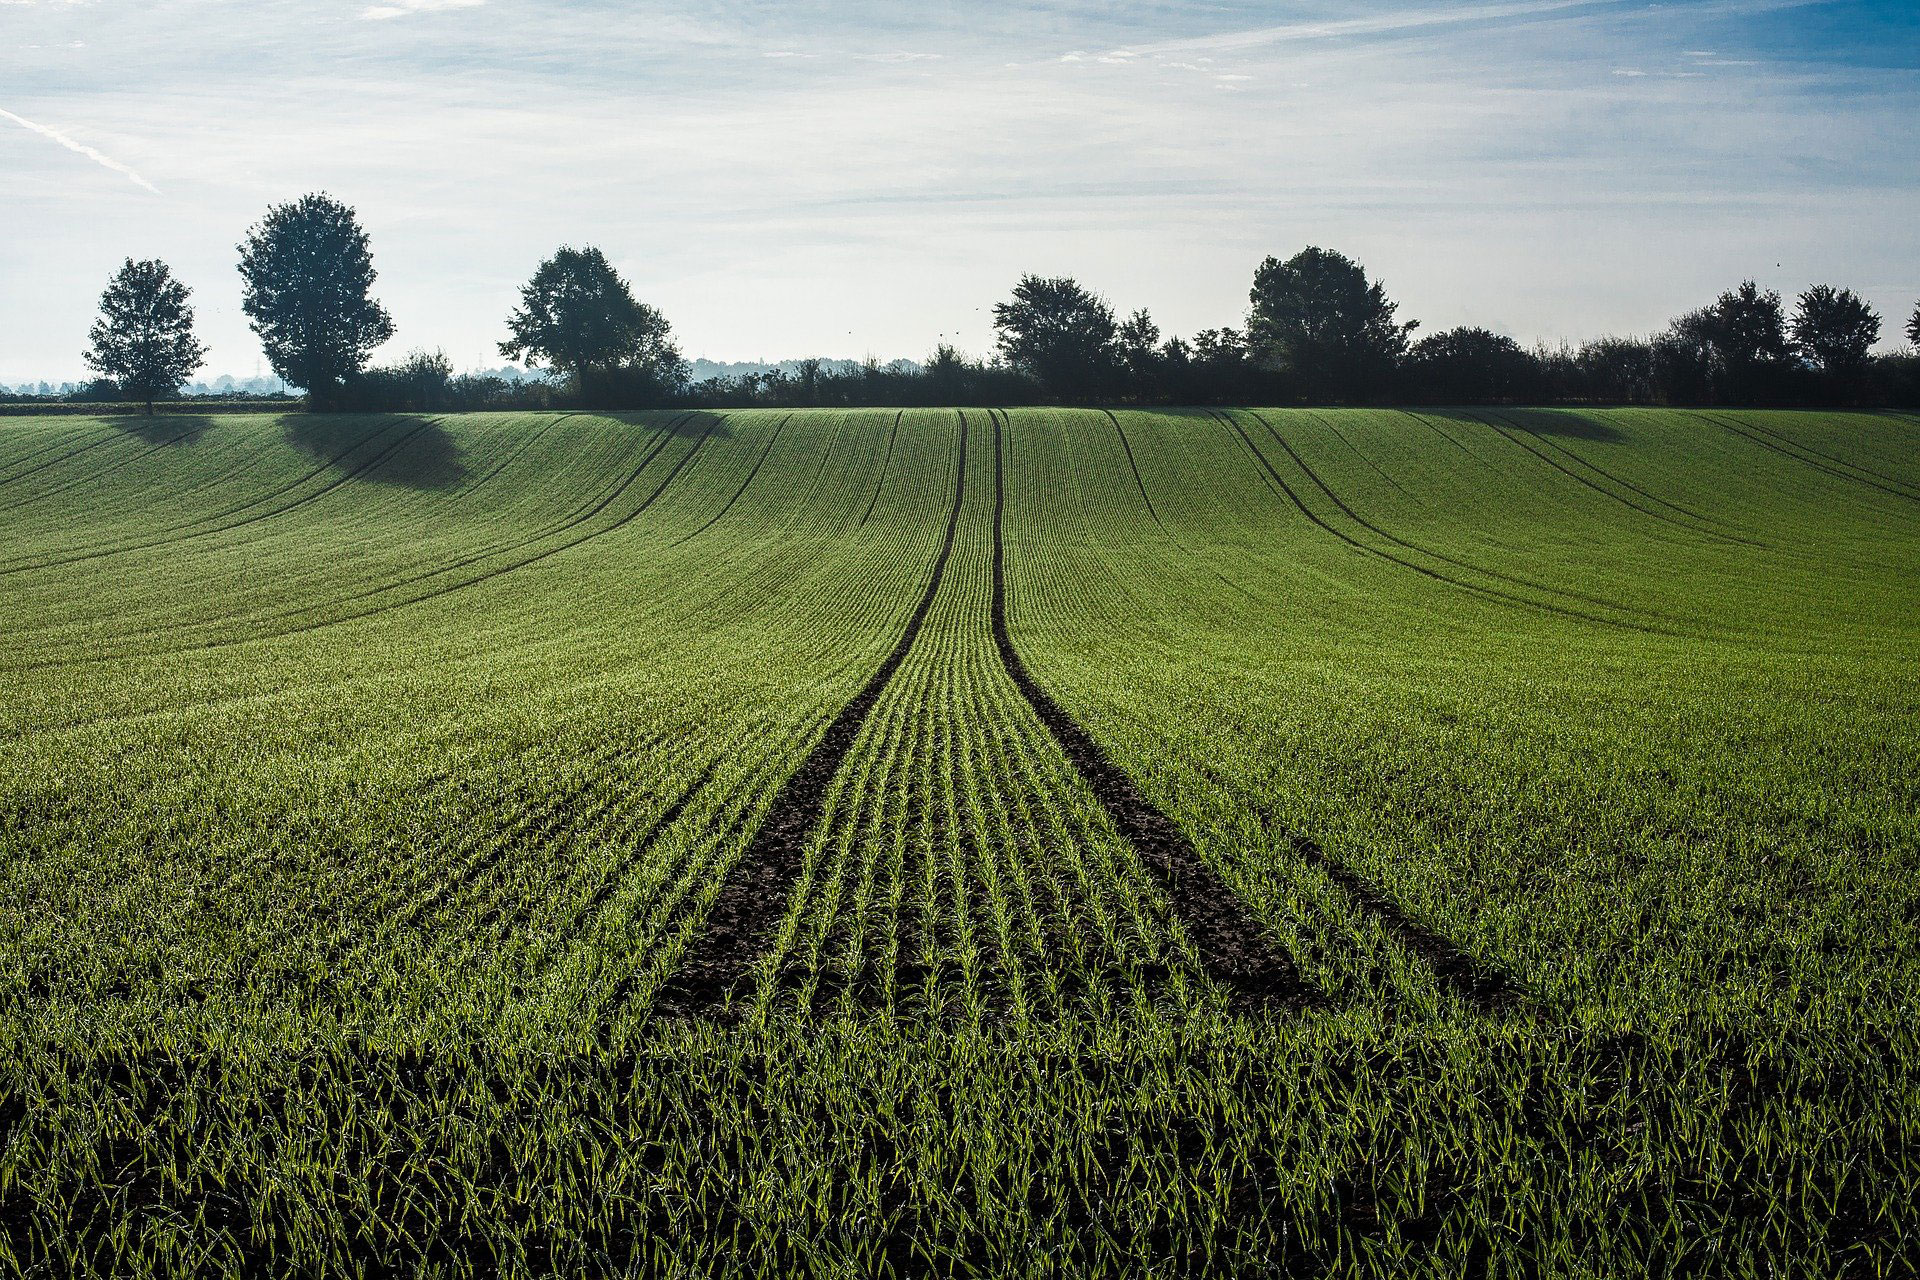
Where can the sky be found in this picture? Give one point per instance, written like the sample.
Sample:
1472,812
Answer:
811,177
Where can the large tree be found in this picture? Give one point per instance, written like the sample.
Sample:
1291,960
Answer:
1834,329
578,316
1061,334
1747,329
309,274
1913,327
144,338
1319,320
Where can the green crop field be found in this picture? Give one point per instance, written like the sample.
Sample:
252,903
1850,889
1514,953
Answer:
1046,843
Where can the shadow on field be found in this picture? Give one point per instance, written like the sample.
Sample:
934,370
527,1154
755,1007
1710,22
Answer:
183,428
697,423
1574,425
416,453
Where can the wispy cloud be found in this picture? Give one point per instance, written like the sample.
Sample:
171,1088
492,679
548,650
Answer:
1378,24
82,148
402,8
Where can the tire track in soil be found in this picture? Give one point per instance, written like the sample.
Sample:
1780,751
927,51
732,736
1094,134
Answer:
124,549
92,476
435,594
579,516
751,902
885,462
1418,549
66,439
1788,442
1135,468
112,433
1488,593
1356,451
1507,432
1170,536
1784,451
1485,986
1232,947
758,463
1540,437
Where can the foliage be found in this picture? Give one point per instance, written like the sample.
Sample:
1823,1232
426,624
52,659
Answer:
1471,366
1061,335
578,315
1317,318
1834,330
143,342
308,274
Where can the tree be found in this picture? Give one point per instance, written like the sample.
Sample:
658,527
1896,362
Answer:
1834,329
421,383
1470,366
1687,366
308,274
1059,333
144,339
1138,341
1618,370
1317,318
577,315
1913,327
1747,329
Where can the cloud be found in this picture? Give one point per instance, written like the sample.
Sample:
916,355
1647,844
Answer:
105,161
1380,24
402,8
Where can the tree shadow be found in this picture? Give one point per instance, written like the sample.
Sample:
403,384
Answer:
168,428
698,422
1572,423
416,453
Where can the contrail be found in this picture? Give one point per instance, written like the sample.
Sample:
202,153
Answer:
82,148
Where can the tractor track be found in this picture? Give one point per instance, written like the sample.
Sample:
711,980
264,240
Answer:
753,896
1796,453
886,462
1508,432
43,494
1443,557
97,553
728,505
1232,947
111,434
1488,593
424,597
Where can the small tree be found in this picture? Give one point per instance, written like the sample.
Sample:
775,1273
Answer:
1470,366
578,316
1139,345
1317,318
1834,329
308,274
144,339
1913,327
1057,332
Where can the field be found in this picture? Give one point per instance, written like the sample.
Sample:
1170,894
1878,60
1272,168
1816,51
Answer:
1045,843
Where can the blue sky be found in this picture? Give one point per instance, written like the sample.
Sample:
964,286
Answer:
867,178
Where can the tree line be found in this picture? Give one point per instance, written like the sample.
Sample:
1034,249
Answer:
1317,330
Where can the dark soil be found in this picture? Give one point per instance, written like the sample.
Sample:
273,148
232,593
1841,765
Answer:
1236,952
753,898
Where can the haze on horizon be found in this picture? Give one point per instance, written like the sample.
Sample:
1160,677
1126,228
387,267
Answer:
853,178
